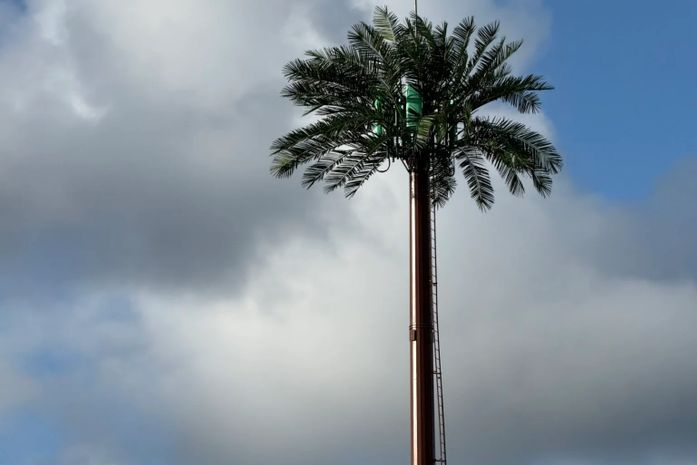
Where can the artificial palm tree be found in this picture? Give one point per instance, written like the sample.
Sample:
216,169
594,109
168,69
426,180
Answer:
413,93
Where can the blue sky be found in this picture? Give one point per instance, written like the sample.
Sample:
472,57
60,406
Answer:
625,99
161,293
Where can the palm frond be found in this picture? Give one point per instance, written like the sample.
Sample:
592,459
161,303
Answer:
461,39
314,141
386,24
521,92
514,149
359,176
353,171
486,35
454,76
366,40
495,57
474,169
443,181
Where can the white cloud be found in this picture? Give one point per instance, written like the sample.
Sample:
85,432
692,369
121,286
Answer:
15,387
134,165
88,455
207,53
547,355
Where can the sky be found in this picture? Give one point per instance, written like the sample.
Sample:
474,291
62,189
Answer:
164,300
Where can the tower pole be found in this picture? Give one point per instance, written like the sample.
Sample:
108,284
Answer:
421,315
423,433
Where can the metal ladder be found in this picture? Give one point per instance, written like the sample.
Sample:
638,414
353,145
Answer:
437,369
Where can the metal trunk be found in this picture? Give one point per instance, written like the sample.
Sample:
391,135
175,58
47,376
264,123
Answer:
421,316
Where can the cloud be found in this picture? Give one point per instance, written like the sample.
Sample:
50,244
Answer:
165,300
654,240
151,168
549,357
135,140
16,387
576,359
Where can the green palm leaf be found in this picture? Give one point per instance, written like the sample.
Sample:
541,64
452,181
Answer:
454,74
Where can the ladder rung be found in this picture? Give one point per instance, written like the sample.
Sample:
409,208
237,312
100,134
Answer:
437,372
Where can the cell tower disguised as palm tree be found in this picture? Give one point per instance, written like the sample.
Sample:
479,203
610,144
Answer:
411,92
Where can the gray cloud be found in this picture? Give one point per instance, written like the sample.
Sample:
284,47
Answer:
142,187
134,142
655,240
549,356
197,311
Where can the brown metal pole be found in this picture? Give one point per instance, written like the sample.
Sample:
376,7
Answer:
421,317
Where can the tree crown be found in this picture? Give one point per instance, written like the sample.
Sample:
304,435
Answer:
413,92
